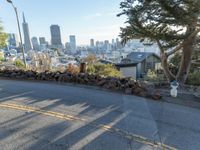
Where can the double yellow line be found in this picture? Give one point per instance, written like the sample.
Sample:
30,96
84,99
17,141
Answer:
123,133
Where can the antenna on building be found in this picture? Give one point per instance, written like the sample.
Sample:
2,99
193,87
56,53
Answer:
24,20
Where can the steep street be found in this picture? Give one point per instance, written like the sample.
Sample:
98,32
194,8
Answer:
38,116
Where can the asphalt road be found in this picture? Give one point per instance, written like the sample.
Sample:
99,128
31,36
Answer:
52,116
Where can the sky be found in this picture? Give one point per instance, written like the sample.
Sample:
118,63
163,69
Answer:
86,19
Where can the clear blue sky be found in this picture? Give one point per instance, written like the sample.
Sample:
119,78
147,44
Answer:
84,18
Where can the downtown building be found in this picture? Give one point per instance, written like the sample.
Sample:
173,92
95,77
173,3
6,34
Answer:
43,43
72,39
92,43
42,40
13,40
55,36
27,41
35,43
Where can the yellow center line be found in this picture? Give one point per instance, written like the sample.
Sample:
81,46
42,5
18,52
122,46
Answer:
123,133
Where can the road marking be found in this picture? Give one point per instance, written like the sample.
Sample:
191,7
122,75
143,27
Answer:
125,134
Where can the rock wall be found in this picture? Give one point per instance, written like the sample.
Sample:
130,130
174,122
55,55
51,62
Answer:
125,85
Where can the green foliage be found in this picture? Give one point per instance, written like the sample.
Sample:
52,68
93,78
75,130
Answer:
194,79
19,64
176,60
103,70
153,76
91,69
160,20
2,57
3,37
172,24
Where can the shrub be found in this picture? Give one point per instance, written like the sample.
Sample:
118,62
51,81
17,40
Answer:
194,79
153,76
103,70
90,69
19,64
2,58
90,59
72,69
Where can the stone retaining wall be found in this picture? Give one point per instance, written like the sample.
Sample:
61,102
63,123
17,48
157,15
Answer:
126,85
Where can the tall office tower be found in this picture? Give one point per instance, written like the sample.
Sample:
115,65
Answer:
27,41
42,40
92,43
106,45
13,40
97,44
55,36
72,40
35,43
113,42
118,43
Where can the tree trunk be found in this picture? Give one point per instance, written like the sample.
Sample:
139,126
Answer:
167,72
185,62
186,55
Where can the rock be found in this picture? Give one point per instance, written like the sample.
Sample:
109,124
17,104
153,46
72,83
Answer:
29,74
128,91
63,78
127,85
156,95
13,75
197,92
137,90
43,76
57,76
143,94
106,86
102,82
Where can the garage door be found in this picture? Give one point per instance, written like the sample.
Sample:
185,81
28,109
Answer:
129,72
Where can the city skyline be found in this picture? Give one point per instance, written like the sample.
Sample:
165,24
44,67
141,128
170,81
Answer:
95,21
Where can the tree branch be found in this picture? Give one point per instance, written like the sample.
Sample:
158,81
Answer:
175,49
160,46
181,45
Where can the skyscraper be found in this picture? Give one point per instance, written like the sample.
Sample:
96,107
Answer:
35,43
72,40
13,40
55,36
91,42
27,41
42,40
113,42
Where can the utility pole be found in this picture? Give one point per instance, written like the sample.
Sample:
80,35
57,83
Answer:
20,35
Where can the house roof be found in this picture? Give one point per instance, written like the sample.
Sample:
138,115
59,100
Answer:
137,57
105,61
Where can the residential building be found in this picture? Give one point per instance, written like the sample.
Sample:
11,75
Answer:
137,64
